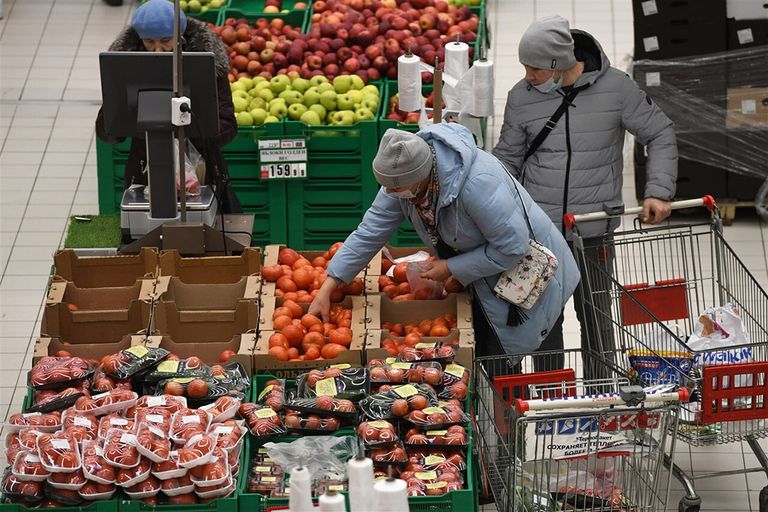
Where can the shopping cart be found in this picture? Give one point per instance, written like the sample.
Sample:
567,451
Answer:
551,440
643,292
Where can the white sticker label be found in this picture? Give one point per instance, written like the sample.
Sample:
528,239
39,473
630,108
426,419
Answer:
120,422
31,414
31,459
155,418
61,444
745,36
128,439
748,107
651,44
82,422
649,8
223,430
186,420
99,450
653,79
157,432
100,395
155,401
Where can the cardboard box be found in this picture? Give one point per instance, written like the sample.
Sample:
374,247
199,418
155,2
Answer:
217,296
95,326
99,299
747,108
680,38
262,361
373,269
47,346
106,271
747,33
381,308
358,305
208,351
204,326
465,355
271,253
211,269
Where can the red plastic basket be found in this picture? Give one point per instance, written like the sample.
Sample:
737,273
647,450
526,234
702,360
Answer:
665,300
724,385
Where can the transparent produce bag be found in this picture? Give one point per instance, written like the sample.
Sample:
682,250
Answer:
421,288
58,452
194,168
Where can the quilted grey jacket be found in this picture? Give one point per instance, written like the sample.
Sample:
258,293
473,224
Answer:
596,122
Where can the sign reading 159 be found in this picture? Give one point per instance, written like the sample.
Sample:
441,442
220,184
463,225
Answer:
283,158
286,170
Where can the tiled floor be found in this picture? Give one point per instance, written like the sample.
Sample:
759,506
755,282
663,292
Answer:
49,96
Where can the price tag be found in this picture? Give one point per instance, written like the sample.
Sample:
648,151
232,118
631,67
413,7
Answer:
379,424
436,485
326,387
128,439
341,366
159,433
265,391
434,410
82,422
32,459
269,479
262,469
223,429
406,391
426,475
120,422
434,460
138,350
168,367
60,444
402,366
337,488
426,345
265,413
186,420
157,401
262,450
435,433
455,369
155,418
283,158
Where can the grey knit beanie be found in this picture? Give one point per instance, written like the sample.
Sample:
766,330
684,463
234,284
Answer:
403,159
548,44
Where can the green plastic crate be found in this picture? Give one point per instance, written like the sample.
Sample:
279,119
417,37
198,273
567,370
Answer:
110,169
295,18
97,506
247,138
210,15
257,6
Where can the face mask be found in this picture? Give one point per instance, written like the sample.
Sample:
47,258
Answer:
550,85
405,194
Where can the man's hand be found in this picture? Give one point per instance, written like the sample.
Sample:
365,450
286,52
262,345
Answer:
655,210
436,270
321,305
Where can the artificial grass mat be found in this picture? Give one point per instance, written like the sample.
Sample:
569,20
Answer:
99,231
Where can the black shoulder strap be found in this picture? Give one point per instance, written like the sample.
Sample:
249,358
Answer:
550,125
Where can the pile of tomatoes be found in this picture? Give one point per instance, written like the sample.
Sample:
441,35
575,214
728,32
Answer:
303,337
397,287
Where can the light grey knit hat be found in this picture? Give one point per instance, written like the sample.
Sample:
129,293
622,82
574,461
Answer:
547,44
403,159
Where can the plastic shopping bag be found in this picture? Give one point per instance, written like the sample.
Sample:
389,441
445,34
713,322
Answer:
717,329
420,287
194,168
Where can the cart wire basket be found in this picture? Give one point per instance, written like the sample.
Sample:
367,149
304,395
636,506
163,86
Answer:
549,439
646,291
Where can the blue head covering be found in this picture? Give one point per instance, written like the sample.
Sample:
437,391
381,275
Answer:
154,20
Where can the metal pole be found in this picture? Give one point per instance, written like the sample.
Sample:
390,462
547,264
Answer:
177,92
437,108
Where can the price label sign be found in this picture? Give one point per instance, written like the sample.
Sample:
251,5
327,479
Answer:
283,158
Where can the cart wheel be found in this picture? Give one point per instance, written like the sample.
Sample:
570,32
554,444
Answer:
688,504
764,499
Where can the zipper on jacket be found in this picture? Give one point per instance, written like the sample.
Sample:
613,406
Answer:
567,168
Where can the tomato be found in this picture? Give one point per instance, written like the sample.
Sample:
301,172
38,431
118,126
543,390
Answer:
439,331
310,320
279,353
287,256
401,273
286,284
272,273
197,388
293,334
194,362
278,340
303,278
296,310
332,350
311,353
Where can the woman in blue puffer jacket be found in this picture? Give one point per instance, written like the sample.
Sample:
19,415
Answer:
466,209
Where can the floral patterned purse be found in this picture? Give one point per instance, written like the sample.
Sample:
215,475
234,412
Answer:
523,284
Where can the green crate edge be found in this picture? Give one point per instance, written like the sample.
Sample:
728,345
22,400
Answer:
97,506
296,18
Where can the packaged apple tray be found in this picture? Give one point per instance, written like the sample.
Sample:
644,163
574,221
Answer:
401,422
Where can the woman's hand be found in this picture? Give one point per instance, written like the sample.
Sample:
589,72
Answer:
437,270
321,305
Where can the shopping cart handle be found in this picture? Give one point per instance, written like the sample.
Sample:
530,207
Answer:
601,400
570,220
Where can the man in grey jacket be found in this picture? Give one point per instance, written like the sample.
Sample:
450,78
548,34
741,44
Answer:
578,166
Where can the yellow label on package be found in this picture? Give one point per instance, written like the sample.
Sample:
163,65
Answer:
426,345
265,391
262,450
379,424
436,485
436,432
426,475
455,369
434,410
402,366
184,380
433,460
326,387
138,350
265,413
406,391
269,479
341,366
262,469
336,487
168,367
390,360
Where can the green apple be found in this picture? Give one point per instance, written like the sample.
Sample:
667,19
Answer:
237,86
329,116
204,9
296,110
311,96
257,103
357,82
363,114
240,104
300,84
271,119
258,80
320,110
263,84
344,102
343,117
372,89
355,95
216,4
266,94
244,119
325,86
328,100
310,117
194,6
342,83
183,6
253,93
259,116
247,81
370,104
279,83
278,109
240,94
316,80
291,97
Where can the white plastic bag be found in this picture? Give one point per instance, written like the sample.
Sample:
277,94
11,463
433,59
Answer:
720,328
194,168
